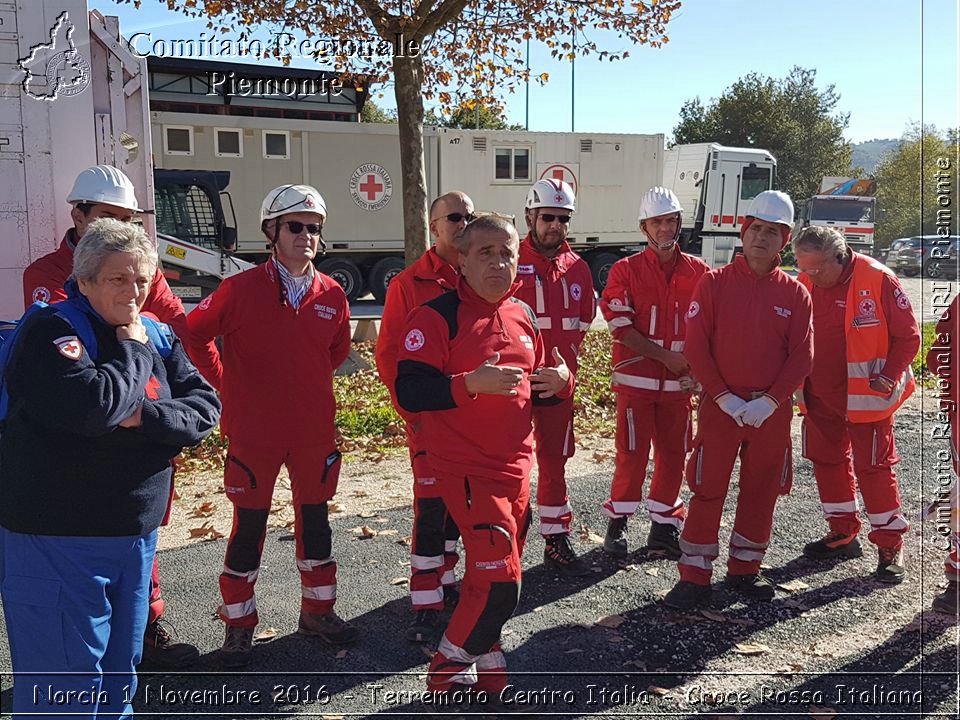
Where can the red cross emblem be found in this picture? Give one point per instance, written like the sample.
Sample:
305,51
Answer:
153,385
371,187
70,347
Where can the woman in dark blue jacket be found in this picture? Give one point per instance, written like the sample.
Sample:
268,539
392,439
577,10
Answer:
97,409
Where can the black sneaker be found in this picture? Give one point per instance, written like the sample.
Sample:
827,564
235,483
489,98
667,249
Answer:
946,602
833,546
615,541
754,586
425,628
161,651
687,596
890,568
559,554
665,538
451,596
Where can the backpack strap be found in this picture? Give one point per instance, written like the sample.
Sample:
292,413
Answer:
160,334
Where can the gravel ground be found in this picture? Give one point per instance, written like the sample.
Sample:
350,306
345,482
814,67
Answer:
837,645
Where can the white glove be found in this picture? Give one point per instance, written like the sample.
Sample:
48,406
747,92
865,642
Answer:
731,405
756,411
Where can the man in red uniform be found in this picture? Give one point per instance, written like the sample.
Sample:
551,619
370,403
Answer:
285,329
865,337
943,360
433,555
644,303
557,284
103,191
750,343
471,364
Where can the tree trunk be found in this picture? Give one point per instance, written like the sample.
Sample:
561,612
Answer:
408,82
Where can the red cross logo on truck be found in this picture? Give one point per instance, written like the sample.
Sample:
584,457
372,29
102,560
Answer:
371,187
560,171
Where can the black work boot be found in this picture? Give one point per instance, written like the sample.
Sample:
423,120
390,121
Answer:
162,652
328,626
425,628
754,586
833,546
665,538
890,568
559,554
946,602
615,541
686,596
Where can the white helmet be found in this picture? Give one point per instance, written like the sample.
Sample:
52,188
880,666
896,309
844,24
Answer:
290,199
104,184
658,201
550,193
773,206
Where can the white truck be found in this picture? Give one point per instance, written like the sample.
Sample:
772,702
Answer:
72,95
848,205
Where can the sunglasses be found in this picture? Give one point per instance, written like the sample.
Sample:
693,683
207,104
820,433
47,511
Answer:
457,217
549,218
298,227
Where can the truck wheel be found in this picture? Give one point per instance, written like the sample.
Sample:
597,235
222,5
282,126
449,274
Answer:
383,271
346,273
600,265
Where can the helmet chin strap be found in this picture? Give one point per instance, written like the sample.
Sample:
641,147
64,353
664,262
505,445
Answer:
664,246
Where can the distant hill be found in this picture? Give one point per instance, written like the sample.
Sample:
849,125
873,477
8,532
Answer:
867,154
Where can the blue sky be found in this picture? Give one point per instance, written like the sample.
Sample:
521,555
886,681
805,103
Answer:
893,62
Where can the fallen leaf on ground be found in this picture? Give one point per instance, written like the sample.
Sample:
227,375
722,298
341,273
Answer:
652,571
611,621
654,690
408,540
267,634
206,531
204,510
601,457
590,536
360,493
334,508
342,654
367,514
366,533
750,648
715,616
794,586
571,651
387,532
400,581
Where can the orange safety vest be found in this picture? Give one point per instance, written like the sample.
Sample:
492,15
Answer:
868,339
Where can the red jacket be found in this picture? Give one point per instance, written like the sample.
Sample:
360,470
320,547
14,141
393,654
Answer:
828,379
639,295
560,291
486,435
749,334
45,277
276,371
427,278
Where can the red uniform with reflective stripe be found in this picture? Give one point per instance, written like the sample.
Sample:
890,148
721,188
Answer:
45,277
433,554
831,432
651,407
748,335
276,378
560,291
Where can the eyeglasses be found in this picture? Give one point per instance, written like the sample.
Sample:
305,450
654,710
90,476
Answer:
457,217
549,218
298,227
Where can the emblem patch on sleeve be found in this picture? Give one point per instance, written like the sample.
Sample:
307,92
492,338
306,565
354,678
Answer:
693,310
41,294
69,346
414,340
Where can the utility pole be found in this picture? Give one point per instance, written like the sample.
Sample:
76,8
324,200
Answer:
526,122
573,78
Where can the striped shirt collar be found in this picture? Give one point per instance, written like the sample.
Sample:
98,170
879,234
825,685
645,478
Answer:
296,287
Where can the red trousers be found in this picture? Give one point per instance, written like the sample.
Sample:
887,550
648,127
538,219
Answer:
433,549
828,442
640,422
766,471
249,479
493,517
554,442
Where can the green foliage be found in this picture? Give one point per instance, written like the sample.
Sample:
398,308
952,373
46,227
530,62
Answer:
789,117
469,115
594,401
373,113
907,185
929,334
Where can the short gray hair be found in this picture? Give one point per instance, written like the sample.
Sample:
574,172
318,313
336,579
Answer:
820,239
484,223
106,236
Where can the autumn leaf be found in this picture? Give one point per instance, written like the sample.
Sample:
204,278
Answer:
205,532
400,581
611,621
408,540
750,649
367,514
203,510
793,586
716,617
366,533
264,635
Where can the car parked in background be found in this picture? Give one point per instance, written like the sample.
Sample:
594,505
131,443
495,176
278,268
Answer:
927,255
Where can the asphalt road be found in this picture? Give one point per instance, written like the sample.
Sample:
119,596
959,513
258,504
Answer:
843,642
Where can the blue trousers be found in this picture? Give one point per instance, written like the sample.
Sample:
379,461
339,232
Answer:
76,611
